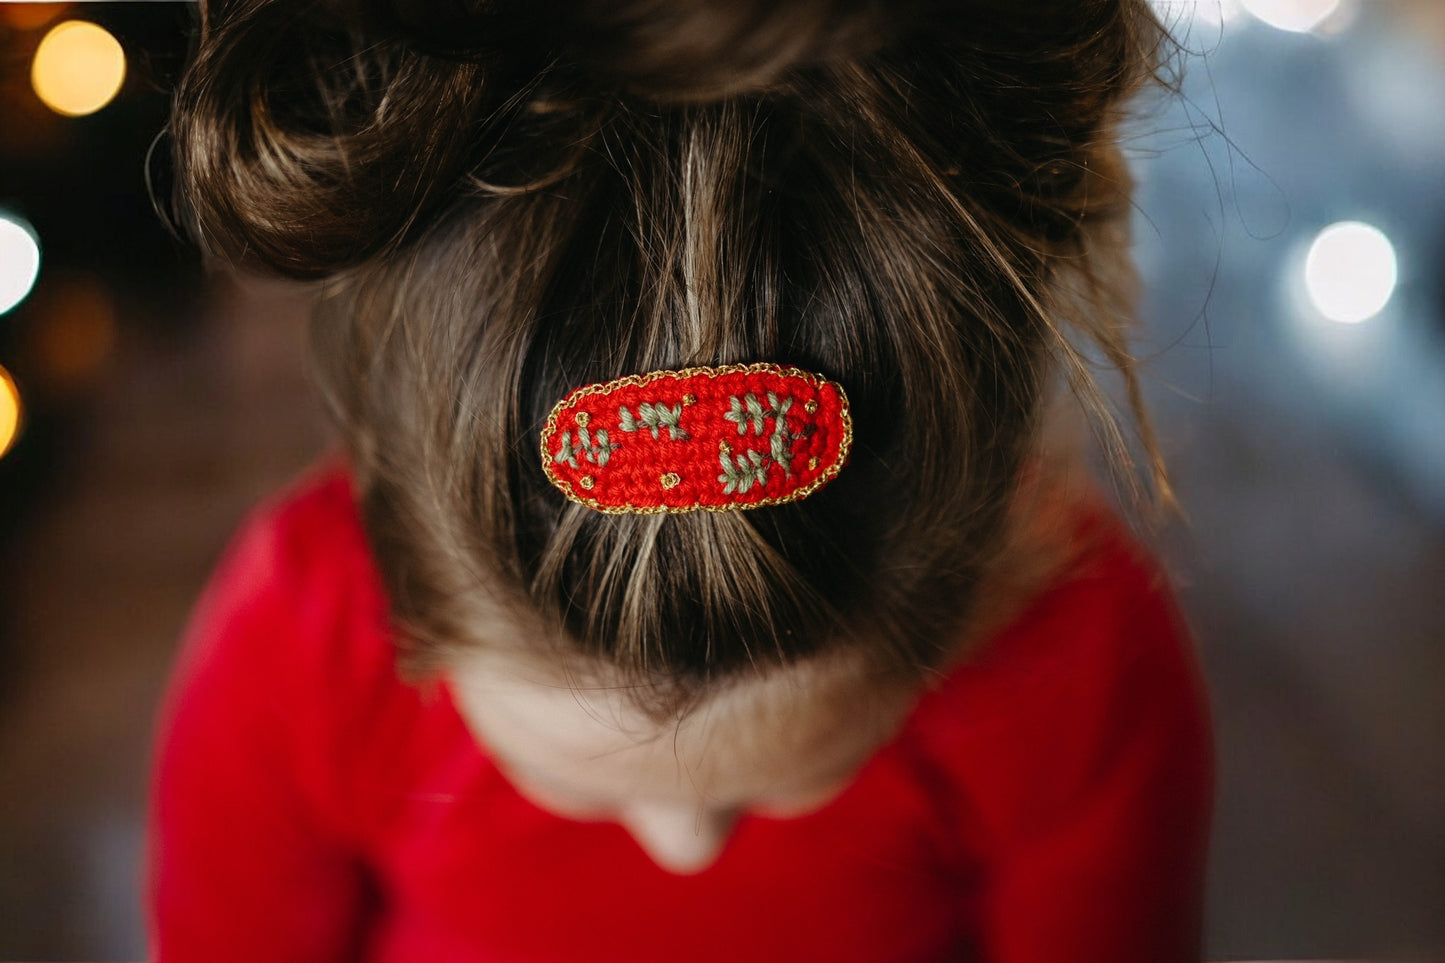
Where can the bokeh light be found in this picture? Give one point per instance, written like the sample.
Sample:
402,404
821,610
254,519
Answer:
1182,15
1218,11
73,330
9,411
1296,16
19,261
78,68
1351,272
30,16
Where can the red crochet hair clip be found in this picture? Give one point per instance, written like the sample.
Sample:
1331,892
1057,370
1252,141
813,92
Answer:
698,439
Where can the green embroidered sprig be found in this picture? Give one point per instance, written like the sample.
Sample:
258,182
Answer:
748,411
598,452
654,417
741,472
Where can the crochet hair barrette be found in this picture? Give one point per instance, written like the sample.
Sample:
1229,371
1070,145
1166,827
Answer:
699,439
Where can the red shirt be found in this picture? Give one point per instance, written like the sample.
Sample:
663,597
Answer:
1048,802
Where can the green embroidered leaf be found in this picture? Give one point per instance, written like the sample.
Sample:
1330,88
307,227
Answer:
779,449
672,418
729,475
628,421
602,451
735,414
568,451
755,411
649,417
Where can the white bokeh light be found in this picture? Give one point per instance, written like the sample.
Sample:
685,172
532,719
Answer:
1296,16
1350,272
19,261
1217,12
1181,15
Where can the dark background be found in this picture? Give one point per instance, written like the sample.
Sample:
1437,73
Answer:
1310,458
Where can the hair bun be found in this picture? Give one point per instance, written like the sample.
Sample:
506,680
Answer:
662,49
708,49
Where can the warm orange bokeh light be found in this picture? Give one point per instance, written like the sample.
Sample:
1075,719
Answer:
78,68
30,16
74,330
9,411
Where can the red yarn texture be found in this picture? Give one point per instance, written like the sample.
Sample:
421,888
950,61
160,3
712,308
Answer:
698,439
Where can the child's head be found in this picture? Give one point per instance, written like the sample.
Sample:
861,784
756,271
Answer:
511,200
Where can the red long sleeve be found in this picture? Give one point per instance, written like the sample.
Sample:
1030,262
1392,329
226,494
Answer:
1114,876
1083,765
243,869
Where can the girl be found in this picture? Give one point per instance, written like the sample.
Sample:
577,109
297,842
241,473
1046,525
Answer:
696,583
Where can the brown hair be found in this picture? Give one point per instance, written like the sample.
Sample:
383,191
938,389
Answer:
921,201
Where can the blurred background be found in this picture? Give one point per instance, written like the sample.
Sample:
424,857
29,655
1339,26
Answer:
1291,231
